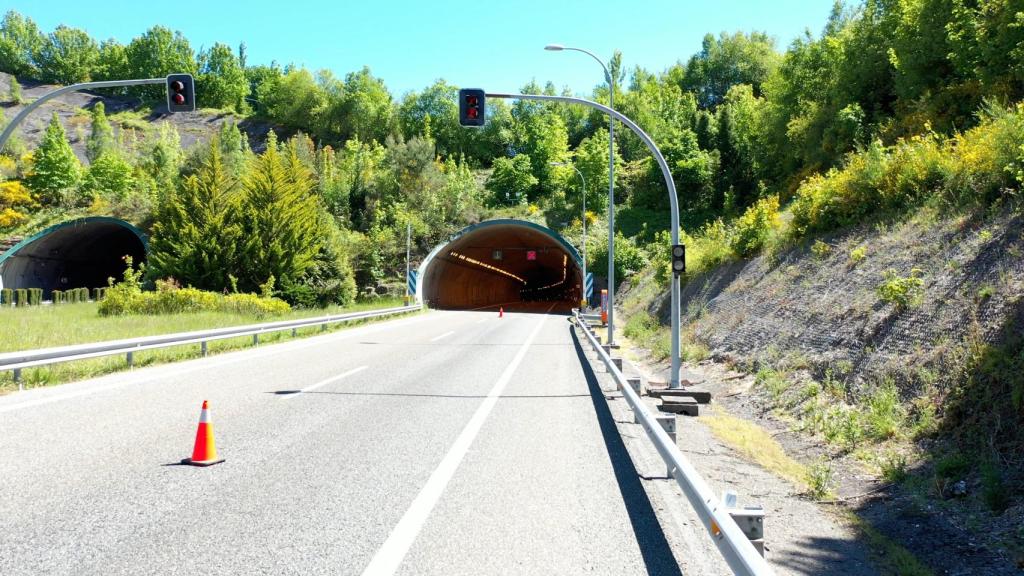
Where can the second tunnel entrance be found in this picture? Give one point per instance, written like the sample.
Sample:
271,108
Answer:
498,262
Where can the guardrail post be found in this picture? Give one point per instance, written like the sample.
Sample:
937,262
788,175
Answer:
668,423
17,379
323,327
618,363
751,522
295,332
255,339
131,359
203,349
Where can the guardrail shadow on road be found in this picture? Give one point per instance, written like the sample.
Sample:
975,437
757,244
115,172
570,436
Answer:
654,547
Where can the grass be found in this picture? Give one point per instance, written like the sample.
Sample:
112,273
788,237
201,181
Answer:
755,444
47,326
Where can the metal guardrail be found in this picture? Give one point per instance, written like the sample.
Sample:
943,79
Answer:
732,543
16,361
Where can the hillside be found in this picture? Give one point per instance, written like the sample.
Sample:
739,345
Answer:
125,113
923,391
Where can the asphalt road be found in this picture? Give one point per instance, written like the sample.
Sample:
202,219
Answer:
443,443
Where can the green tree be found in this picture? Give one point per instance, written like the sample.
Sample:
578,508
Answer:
592,162
109,177
280,218
20,40
112,63
221,82
101,138
55,169
161,158
363,109
726,61
512,180
294,100
197,236
156,53
67,56
14,91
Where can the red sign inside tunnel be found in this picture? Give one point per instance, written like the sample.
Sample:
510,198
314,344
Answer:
531,255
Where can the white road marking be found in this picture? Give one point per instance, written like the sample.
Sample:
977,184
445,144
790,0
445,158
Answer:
387,560
481,321
325,382
445,335
238,356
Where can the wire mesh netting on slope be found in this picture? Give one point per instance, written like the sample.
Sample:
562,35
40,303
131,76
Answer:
822,309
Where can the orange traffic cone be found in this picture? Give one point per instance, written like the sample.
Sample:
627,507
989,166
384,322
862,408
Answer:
205,451
501,311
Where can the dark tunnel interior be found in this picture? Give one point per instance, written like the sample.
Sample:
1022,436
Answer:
83,254
501,263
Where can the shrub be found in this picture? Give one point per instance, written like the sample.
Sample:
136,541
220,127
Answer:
57,297
35,296
7,296
885,415
21,296
820,250
894,467
753,228
819,479
858,254
989,157
127,297
902,292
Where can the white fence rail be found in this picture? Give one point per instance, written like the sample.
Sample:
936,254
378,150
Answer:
17,361
732,542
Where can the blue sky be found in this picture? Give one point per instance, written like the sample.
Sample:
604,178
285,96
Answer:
493,45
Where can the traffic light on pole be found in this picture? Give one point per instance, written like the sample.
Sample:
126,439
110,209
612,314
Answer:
678,259
181,93
471,107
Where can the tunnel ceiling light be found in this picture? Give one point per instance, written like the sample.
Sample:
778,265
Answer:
565,274
465,258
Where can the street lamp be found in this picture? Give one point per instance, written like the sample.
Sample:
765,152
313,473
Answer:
611,185
584,240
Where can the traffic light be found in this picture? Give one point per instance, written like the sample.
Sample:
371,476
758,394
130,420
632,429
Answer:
471,107
678,259
181,93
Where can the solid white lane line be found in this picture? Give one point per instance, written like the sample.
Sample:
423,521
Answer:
445,335
238,356
387,560
325,382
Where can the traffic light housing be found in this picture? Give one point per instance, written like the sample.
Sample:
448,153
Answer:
181,93
678,259
471,107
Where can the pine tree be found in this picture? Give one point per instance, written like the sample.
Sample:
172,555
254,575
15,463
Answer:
55,169
197,236
102,137
280,216
15,91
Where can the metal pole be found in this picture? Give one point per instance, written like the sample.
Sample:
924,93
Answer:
584,240
669,183
611,185
72,88
408,241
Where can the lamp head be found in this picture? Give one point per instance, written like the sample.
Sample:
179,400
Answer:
554,47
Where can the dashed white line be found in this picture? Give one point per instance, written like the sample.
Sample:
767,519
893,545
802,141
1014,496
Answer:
387,560
445,335
325,382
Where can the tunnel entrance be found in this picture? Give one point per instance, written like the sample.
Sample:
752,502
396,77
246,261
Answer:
498,262
80,253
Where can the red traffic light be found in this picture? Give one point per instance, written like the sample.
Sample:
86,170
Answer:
472,100
472,113
179,99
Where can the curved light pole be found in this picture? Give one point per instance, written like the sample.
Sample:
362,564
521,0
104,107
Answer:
611,185
584,240
673,199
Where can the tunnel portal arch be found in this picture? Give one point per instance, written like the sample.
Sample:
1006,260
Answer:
80,253
500,261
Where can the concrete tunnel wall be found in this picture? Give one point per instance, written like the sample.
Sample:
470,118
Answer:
465,273
80,253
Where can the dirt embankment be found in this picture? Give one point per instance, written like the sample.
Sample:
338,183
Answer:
932,309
